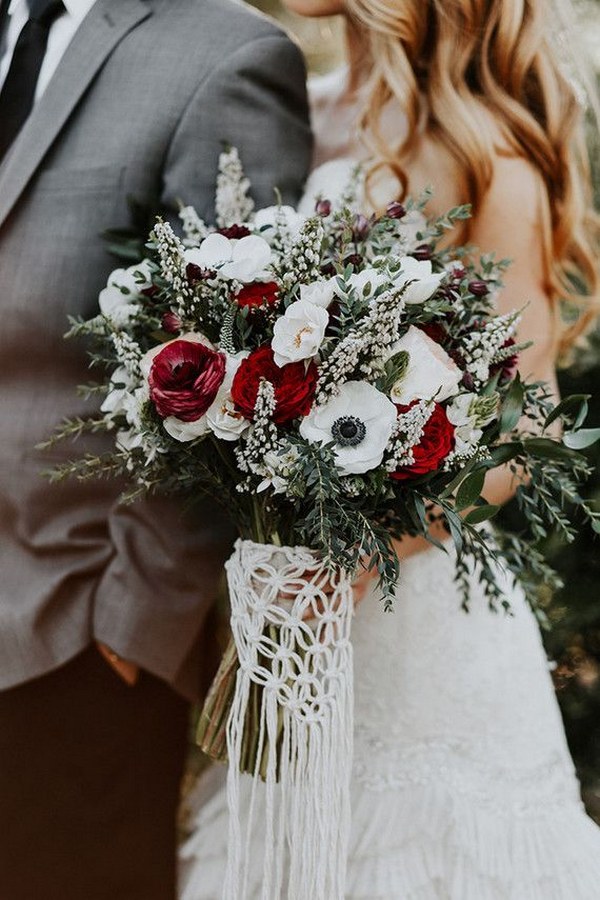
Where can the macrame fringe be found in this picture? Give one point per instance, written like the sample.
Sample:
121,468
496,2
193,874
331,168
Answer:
305,725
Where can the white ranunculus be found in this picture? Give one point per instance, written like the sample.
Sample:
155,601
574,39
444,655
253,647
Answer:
299,333
213,252
267,221
148,357
430,372
243,260
321,293
121,385
371,278
119,300
250,257
424,282
185,431
359,420
411,224
459,413
222,417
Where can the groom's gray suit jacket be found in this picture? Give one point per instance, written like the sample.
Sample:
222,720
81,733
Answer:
142,101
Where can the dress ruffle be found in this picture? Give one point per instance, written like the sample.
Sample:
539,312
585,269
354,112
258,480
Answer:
426,843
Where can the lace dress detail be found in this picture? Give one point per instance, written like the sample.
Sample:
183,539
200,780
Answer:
463,787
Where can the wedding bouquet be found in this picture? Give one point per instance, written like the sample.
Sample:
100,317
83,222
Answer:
335,382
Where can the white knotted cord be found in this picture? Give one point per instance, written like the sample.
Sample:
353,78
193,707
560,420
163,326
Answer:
306,722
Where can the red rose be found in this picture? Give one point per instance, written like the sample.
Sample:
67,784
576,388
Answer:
294,385
437,442
258,294
184,379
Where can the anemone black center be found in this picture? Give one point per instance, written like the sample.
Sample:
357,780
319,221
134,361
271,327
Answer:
348,431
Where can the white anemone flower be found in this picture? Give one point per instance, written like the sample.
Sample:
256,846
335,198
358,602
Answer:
299,333
429,374
244,260
424,283
359,421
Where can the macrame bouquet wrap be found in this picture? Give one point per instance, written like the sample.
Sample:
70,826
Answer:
291,626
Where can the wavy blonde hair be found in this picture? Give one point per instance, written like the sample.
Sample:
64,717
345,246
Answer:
450,63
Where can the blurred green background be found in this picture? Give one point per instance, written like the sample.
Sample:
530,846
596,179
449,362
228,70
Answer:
574,640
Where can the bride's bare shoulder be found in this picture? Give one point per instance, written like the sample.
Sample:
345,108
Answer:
515,183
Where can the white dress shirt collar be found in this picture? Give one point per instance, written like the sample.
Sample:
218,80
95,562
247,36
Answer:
78,9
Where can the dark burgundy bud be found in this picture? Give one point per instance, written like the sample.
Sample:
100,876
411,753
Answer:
448,292
422,252
468,381
479,288
355,260
328,269
234,232
150,292
395,210
457,273
360,227
197,273
171,323
323,208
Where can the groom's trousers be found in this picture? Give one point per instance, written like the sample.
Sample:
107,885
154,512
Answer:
90,774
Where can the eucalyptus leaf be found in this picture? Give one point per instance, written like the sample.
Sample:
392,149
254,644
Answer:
482,514
470,490
544,448
504,453
575,404
512,408
579,440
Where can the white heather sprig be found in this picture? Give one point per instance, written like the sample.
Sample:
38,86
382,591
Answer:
365,348
407,434
128,352
194,228
459,458
232,203
304,259
481,347
262,437
172,266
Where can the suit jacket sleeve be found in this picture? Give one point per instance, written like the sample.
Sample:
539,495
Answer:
255,101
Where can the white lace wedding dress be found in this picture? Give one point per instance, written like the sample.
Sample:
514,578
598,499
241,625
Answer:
463,787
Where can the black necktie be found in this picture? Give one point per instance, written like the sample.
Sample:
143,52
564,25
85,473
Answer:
18,92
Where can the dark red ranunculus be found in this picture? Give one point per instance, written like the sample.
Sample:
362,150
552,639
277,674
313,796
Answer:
294,385
437,442
258,294
184,379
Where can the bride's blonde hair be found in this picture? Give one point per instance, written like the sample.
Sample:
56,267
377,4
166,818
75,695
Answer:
450,63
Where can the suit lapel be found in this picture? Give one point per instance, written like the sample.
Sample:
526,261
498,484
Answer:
100,32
